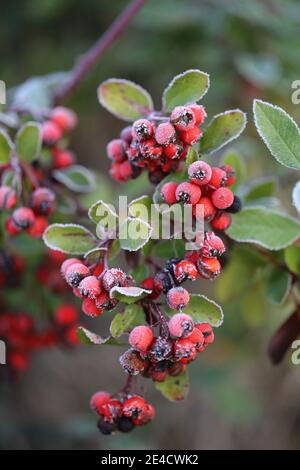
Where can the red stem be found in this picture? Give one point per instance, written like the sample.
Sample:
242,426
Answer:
88,60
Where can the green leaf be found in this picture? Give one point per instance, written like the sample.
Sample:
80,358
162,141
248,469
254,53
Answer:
128,295
140,208
278,286
296,196
174,388
191,157
95,254
77,178
29,141
92,339
292,258
186,88
6,147
134,234
279,132
69,238
125,99
223,128
264,227
204,310
100,211
231,157
260,189
123,321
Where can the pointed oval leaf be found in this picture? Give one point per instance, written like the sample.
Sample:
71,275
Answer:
292,258
223,128
279,132
204,310
6,147
134,234
69,238
264,227
101,210
28,141
261,188
174,388
77,178
278,286
125,99
128,295
186,88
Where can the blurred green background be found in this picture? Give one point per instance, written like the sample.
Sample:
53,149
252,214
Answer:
250,49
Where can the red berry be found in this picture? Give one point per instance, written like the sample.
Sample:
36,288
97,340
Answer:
142,129
168,192
113,277
23,217
110,410
197,338
149,414
126,135
64,118
180,325
178,298
11,227
90,308
199,172
230,174
115,150
165,133
212,245
221,221
65,314
43,201
222,198
204,208
75,273
148,284
185,270
67,263
56,256
99,399
104,302
207,332
135,408
51,133
62,158
188,193
38,227
209,268
218,178
90,287
184,351
183,118
199,112
125,169
131,362
8,197
141,338
191,136
150,150
173,151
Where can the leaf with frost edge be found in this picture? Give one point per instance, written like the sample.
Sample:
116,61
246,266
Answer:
106,205
54,247
142,222
9,143
62,177
39,143
132,293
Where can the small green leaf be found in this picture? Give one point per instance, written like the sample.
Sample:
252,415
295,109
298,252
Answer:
77,178
28,141
69,238
125,99
123,321
264,227
6,147
140,208
231,157
95,254
174,388
223,128
186,88
278,286
101,211
204,310
292,258
92,339
128,295
279,132
296,196
134,234
263,188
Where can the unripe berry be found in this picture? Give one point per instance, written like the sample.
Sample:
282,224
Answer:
165,133
180,325
8,197
113,277
230,174
222,198
199,112
64,118
142,129
197,338
221,221
204,208
199,172
51,133
178,298
235,207
207,332
43,201
98,399
67,263
212,245
90,308
115,150
131,362
141,338
163,281
62,158
209,268
125,424
75,273
218,178
185,270
168,192
173,151
191,136
183,118
65,314
38,227
184,351
90,286
23,217
160,350
188,193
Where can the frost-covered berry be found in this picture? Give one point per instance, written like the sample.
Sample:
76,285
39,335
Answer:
90,308
212,245
111,410
183,118
188,193
65,314
218,178
185,270
221,221
43,201
178,298
98,399
165,133
64,118
207,332
191,136
51,133
222,198
113,277
23,217
75,273
199,172
180,325
150,150
142,129
67,263
131,362
115,150
199,112
173,151
90,287
209,268
141,338
160,350
184,351
8,197
168,192
204,209
135,408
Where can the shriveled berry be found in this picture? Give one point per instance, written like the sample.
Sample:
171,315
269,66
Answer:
222,198
184,350
165,133
204,208
131,362
178,298
218,178
180,325
183,118
75,273
43,201
141,338
168,192
191,136
176,369
221,221
90,286
209,268
23,217
90,308
125,424
142,129
113,277
199,172
98,399
163,281
235,207
188,193
207,332
8,197
212,245
199,112
67,263
115,150
64,118
185,270
160,350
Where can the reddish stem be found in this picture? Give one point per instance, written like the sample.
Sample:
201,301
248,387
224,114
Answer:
88,60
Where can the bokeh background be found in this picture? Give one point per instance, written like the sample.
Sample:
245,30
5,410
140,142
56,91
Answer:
238,400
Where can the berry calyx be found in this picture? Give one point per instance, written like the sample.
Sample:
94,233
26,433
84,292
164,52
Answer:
183,118
200,173
75,273
209,268
142,129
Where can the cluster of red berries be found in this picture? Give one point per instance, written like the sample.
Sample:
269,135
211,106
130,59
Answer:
93,284
208,192
159,144
122,412
169,353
